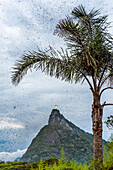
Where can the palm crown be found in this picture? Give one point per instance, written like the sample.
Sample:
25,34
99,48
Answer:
88,53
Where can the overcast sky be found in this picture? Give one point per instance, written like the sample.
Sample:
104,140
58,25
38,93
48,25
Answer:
25,109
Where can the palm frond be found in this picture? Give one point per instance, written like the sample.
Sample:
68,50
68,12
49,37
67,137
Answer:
64,27
79,12
93,13
110,79
51,62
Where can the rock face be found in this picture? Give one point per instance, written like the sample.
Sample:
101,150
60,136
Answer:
60,133
56,117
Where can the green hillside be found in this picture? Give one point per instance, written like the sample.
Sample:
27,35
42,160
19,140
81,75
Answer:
58,134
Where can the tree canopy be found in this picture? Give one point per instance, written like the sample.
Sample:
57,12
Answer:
88,53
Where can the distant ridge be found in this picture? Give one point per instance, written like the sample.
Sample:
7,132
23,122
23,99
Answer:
60,133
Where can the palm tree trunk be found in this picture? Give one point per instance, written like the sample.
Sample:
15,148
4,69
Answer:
97,112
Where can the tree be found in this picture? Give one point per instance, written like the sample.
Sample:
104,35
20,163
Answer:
88,57
62,155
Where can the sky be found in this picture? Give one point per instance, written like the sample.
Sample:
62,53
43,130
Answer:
25,109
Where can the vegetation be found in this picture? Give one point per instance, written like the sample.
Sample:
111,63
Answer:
62,163
89,58
52,138
51,164
108,154
109,122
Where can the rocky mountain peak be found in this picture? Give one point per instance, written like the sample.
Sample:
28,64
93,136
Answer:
57,117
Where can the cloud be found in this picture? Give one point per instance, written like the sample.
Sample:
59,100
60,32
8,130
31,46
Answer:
12,32
6,123
11,156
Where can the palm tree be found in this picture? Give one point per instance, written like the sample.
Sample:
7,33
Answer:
88,57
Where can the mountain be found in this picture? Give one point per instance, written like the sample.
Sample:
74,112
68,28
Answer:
17,159
60,133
